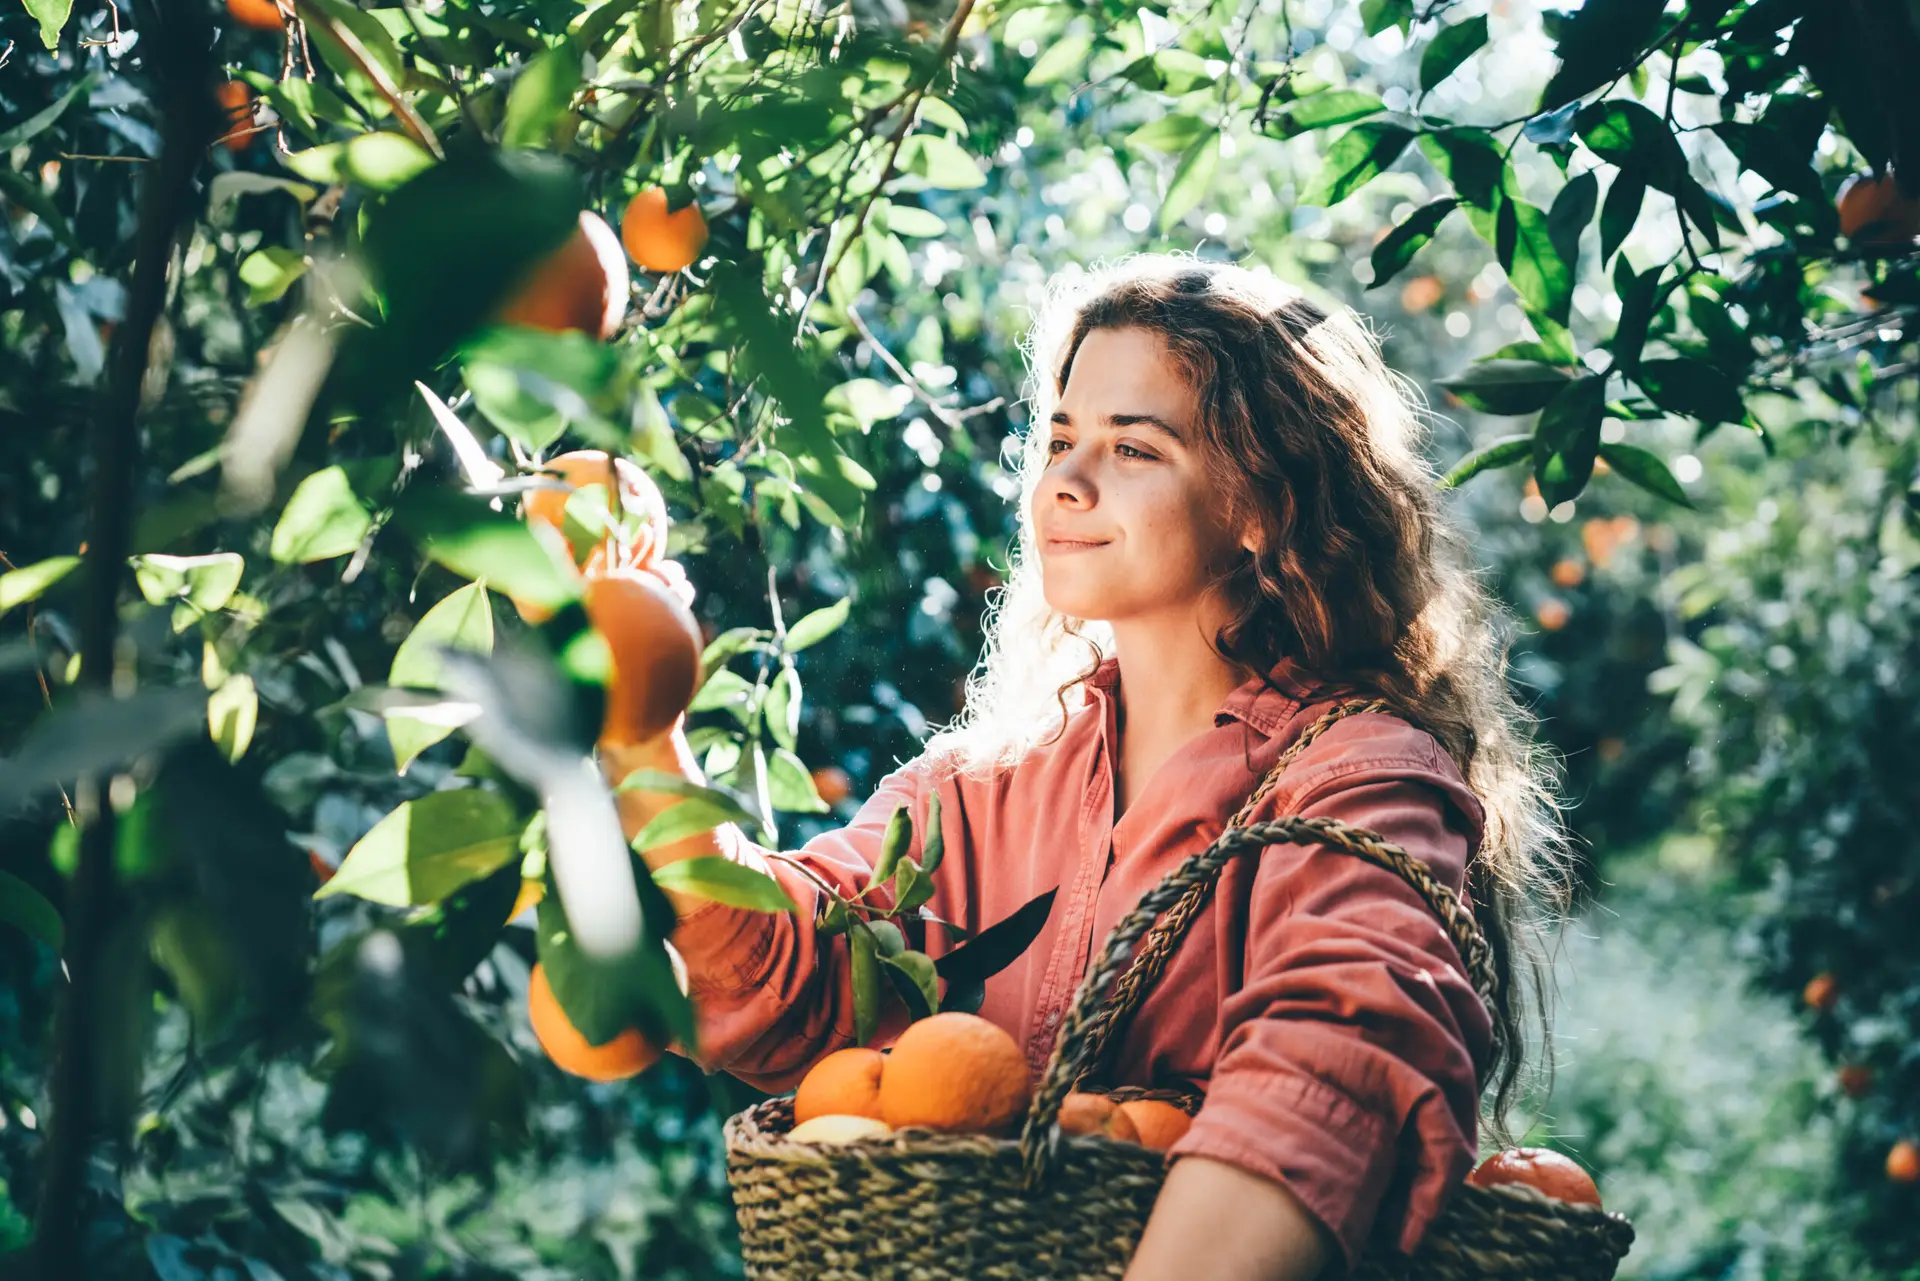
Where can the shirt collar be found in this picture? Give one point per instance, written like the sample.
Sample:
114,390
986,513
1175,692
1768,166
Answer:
1264,705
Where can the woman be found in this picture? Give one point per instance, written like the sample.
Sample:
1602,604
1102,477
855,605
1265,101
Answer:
1225,529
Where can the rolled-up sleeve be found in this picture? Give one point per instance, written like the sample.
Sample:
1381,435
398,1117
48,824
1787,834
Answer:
1347,1063
771,996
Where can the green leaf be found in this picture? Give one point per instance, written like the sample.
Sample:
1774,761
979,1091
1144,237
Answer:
1175,132
725,881
1323,110
1191,180
30,128
603,998
866,983
447,250
1471,160
943,163
893,845
1621,210
233,711
1572,209
541,95
462,533
791,785
1378,15
534,385
202,584
782,707
1629,135
376,161
1601,39
1533,264
269,273
323,519
30,911
29,582
817,626
1504,452
1508,387
911,220
1646,470
912,887
52,16
463,621
1449,48
700,810
1397,248
428,848
1061,58
725,646
921,985
1566,439
1684,386
997,946
933,843
1639,296
1356,158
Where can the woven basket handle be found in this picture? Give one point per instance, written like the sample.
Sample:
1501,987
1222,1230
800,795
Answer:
1095,1017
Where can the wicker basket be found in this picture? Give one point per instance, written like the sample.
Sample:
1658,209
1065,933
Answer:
924,1206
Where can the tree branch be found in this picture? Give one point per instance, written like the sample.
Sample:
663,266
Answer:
177,41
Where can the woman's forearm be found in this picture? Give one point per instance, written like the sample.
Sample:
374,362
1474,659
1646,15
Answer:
669,754
1226,1224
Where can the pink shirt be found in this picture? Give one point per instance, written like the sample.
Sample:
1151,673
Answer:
1317,1000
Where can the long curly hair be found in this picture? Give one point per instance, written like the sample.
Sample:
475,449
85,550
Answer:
1362,576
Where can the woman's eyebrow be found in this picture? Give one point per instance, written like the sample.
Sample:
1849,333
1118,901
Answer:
1116,421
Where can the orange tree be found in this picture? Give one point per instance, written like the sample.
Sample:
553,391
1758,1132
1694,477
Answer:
306,349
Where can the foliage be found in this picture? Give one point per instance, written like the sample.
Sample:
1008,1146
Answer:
1795,681
328,419
1707,1119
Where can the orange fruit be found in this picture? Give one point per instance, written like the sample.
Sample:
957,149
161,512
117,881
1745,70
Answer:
845,1083
955,1072
832,783
1568,573
660,241
583,285
1558,1176
1903,1162
1855,1079
839,1129
261,15
1821,991
236,106
1552,614
640,499
1421,293
1875,213
1159,1123
1084,1113
626,1055
656,653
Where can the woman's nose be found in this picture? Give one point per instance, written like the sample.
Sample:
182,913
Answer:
1072,486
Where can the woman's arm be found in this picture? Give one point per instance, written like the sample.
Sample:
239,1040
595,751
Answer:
1220,1221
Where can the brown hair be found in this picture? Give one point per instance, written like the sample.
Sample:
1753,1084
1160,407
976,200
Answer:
1362,577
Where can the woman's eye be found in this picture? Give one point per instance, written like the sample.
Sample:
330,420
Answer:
1130,451
1057,446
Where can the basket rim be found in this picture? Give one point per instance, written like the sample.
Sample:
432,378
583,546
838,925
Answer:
907,1141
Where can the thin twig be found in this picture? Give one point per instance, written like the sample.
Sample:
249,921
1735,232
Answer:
955,419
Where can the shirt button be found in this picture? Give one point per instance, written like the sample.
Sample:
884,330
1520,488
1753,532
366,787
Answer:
1053,1019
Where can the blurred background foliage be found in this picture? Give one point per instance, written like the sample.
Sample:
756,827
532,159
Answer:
1706,527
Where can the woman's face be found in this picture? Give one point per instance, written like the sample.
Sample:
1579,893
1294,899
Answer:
1123,514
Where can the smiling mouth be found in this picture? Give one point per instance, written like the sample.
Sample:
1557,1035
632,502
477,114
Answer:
1076,544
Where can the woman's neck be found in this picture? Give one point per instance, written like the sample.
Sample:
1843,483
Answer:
1171,684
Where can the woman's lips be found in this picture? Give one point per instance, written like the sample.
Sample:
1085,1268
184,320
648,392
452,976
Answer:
1074,544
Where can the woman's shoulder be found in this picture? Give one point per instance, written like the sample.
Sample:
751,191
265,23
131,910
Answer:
1346,739
981,763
